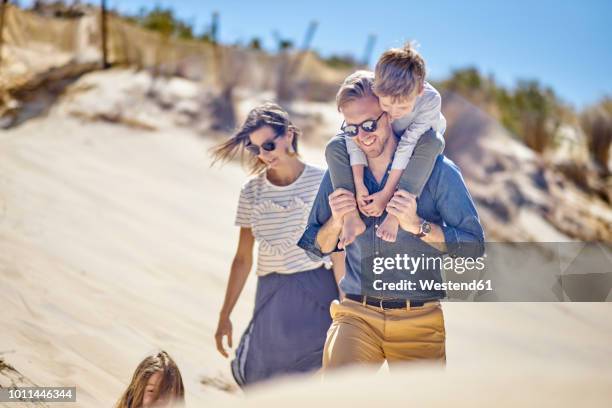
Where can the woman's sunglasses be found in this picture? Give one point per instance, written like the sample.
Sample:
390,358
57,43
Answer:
268,146
369,126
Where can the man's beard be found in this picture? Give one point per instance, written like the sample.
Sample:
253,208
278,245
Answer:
377,148
374,153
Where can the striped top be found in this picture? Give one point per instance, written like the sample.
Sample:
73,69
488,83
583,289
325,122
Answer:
277,216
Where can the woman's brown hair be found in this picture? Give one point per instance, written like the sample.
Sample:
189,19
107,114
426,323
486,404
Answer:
267,114
171,384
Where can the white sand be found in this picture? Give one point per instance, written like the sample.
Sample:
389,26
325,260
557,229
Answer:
115,242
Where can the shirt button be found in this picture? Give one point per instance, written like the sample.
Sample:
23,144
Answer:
376,226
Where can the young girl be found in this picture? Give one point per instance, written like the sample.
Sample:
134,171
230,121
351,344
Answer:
157,381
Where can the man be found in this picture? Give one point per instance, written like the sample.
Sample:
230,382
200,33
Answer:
372,324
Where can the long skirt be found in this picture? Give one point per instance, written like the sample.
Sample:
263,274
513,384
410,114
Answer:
289,325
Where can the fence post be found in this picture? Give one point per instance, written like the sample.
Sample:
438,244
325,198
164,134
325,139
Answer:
367,53
104,32
2,9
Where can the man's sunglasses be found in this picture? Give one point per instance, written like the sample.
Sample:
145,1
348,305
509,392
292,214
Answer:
268,146
369,126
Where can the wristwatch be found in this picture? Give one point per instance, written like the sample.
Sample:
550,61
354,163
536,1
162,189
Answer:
424,229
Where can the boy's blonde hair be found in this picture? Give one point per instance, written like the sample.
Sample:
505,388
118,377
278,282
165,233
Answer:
399,72
355,86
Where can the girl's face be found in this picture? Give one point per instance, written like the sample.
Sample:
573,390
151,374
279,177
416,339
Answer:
151,390
272,148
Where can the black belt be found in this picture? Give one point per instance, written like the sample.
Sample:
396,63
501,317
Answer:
387,303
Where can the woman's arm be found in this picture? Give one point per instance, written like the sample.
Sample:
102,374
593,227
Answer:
241,266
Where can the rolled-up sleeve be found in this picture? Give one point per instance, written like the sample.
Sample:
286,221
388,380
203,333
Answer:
461,225
319,214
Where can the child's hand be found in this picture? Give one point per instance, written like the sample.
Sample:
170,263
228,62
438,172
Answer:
376,204
361,192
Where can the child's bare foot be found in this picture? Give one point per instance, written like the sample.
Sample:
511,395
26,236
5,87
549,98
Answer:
387,230
351,228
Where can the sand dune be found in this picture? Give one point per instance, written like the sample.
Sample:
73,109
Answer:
495,385
116,241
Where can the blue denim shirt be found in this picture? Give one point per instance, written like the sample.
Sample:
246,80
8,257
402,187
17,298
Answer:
444,201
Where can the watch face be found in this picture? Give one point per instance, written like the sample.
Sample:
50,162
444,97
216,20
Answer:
426,227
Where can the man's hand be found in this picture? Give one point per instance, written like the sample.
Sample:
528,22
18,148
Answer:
403,205
341,202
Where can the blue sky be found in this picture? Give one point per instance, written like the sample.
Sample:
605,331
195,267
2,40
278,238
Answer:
564,44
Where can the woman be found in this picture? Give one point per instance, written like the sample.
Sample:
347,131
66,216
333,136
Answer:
291,316
157,381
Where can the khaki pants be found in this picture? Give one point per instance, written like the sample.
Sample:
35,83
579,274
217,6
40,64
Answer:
367,334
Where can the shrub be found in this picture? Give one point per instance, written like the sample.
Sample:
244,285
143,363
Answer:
596,122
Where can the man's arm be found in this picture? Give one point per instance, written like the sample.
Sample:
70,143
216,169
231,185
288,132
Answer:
460,234
327,237
403,205
325,220
320,213
435,237
339,268
341,202
462,229
463,232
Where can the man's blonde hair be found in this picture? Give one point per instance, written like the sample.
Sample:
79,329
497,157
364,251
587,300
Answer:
356,86
399,72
